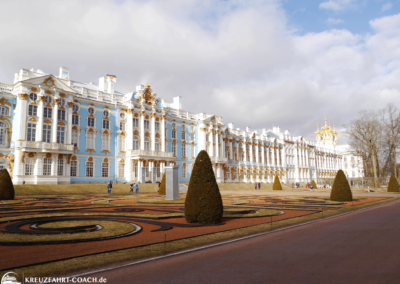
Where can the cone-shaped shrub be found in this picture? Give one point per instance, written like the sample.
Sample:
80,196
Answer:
393,185
162,191
313,184
6,186
277,184
203,202
341,189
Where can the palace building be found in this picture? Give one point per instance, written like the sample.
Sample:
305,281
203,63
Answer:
56,130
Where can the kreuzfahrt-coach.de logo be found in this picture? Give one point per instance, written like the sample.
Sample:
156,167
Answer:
10,278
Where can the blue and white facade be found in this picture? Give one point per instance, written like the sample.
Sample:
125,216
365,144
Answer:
56,130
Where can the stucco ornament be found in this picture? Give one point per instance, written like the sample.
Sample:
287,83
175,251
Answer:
147,95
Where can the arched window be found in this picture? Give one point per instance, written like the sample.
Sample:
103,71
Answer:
157,126
104,169
61,114
60,134
89,169
62,102
75,139
46,133
173,134
104,142
183,136
135,122
47,112
147,144
174,149
90,141
157,145
33,97
135,143
121,126
74,168
121,143
146,124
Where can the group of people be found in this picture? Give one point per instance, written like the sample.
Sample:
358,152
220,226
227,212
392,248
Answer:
257,184
132,186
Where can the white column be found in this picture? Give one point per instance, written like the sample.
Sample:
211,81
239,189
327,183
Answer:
153,131
54,164
37,168
263,155
244,151
273,156
69,126
251,154
217,146
55,121
128,168
202,137
22,111
257,154
39,127
142,130
163,133
129,137
211,143
230,150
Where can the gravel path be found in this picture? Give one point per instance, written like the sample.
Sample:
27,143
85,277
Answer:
361,247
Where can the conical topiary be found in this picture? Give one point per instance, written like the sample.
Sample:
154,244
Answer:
313,184
277,184
6,186
203,202
393,185
341,189
162,190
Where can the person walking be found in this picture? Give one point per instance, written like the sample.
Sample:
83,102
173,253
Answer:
131,188
109,186
259,185
255,184
136,188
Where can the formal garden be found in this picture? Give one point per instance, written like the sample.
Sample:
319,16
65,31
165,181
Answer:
44,232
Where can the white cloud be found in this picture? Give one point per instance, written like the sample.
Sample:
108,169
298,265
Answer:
332,21
234,59
336,5
387,6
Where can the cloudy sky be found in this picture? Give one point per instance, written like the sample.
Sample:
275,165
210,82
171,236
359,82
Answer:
255,63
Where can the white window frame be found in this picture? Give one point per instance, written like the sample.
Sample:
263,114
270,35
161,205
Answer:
75,119
32,110
61,114
121,143
46,133
74,169
173,147
48,112
29,166
105,142
183,171
146,124
183,150
91,122
157,126
157,145
146,144
106,124
135,122
61,134
31,130
105,169
89,171
75,134
90,141
121,170
136,143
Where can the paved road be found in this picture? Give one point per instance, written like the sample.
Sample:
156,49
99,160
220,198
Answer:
363,247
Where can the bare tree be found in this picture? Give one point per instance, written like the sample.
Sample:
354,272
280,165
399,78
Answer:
364,134
390,117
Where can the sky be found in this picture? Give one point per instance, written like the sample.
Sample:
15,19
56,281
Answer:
255,63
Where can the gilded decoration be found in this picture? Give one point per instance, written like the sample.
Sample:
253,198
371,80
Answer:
90,159
75,128
163,117
32,119
4,102
91,116
42,99
48,105
91,130
23,97
129,111
147,117
49,82
153,115
136,114
56,101
10,159
136,132
62,95
62,108
48,93
48,156
47,121
142,113
70,104
33,89
31,155
69,159
105,160
148,96
61,123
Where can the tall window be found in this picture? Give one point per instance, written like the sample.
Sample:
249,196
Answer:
121,143
147,144
183,150
121,126
90,141
32,110
90,122
183,136
106,124
174,149
157,126
147,170
234,174
173,134
61,114
46,133
75,138
89,169
104,169
46,167
47,112
184,171
136,170
104,142
60,170
29,164
3,133
121,170
157,145
74,168
158,170
193,151
75,119
60,134
228,174
146,124
4,110
192,136
135,143
31,133
135,122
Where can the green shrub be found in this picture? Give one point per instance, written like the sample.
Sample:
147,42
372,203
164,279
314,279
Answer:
341,189
313,184
6,186
277,184
162,190
393,185
203,202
